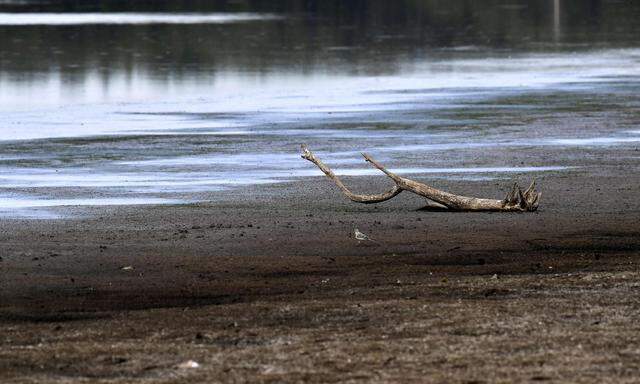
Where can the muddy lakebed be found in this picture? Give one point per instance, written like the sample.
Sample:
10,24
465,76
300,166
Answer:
159,225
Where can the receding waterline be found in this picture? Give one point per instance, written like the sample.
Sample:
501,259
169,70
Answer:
22,203
446,171
17,19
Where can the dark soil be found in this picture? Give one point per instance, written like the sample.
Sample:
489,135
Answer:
268,285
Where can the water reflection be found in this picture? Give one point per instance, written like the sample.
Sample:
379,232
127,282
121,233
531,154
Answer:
122,18
556,20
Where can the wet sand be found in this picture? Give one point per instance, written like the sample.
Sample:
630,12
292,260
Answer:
266,284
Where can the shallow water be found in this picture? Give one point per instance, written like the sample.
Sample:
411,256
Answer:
161,106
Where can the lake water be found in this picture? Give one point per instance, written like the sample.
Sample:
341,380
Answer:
104,103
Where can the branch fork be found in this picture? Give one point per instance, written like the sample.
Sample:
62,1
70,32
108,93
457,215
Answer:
516,200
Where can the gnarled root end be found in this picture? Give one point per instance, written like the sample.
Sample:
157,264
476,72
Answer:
526,201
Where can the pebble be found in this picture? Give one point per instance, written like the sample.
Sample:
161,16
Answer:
189,364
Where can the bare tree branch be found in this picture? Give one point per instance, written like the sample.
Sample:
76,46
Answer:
365,199
515,201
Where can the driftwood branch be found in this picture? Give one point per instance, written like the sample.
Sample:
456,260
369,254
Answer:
515,201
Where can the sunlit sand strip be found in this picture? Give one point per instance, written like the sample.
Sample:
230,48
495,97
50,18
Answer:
129,18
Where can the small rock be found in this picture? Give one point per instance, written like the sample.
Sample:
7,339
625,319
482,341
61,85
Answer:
494,277
189,364
127,268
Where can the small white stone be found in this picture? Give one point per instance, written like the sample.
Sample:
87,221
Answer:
189,364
